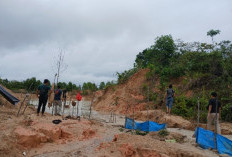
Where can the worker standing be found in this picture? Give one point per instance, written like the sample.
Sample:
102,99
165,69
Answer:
169,96
214,112
57,101
43,92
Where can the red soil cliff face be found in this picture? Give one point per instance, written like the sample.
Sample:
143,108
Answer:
117,98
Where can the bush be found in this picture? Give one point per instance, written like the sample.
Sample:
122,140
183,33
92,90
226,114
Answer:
142,133
163,133
124,76
226,112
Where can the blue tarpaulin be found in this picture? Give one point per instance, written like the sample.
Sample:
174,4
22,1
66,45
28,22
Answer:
206,139
147,126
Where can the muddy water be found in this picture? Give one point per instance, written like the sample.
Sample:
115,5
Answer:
83,110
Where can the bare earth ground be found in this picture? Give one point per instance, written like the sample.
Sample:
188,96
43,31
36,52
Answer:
38,136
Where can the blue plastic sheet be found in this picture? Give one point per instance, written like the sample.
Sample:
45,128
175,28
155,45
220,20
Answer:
147,126
206,139
224,145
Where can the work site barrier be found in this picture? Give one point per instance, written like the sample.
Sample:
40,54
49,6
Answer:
147,126
207,140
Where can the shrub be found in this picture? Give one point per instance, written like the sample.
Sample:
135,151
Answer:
226,112
163,132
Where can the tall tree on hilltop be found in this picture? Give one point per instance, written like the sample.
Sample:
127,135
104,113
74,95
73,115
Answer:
212,33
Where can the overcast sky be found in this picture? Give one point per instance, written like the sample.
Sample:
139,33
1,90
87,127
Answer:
99,37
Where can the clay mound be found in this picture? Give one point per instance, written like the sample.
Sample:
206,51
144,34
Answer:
52,131
40,133
29,138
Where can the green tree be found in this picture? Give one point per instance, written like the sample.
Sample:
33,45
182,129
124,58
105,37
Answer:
102,85
158,54
212,33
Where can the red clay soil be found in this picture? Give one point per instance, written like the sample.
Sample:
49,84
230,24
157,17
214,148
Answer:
28,132
88,133
144,146
39,133
117,98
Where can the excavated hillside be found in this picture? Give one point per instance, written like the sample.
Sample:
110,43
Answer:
120,99
117,98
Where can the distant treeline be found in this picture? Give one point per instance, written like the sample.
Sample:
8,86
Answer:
31,84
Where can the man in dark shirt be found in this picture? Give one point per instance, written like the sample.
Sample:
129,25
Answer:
57,101
214,112
43,91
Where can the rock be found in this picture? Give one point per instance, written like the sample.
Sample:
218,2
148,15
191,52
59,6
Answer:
115,138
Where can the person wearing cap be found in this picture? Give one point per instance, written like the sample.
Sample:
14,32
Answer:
214,112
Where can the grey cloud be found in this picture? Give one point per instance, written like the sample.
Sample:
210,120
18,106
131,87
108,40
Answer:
100,37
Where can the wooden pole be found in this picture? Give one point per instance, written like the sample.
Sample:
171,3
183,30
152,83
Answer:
21,106
24,99
53,89
216,121
90,109
148,94
77,108
133,127
63,108
27,104
198,118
